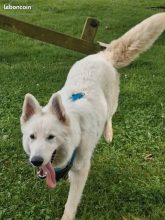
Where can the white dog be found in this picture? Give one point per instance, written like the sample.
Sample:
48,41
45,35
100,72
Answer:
64,133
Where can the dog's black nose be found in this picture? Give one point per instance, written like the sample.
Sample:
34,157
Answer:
37,161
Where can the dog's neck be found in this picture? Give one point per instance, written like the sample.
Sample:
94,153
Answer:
65,151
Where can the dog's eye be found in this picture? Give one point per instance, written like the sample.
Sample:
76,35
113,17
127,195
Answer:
32,136
50,137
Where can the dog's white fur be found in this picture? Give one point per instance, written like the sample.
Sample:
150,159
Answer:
81,123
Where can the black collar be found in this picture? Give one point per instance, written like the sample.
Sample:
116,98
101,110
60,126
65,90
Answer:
61,173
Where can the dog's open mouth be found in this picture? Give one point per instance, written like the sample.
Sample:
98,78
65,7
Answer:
47,172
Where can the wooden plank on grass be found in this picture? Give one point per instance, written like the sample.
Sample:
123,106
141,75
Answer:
48,36
90,29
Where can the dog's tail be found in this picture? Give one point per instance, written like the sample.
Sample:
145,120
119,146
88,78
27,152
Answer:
125,49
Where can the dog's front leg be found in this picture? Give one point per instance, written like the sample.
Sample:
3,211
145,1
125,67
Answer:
77,182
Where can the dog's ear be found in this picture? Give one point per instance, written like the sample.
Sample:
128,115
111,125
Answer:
58,109
30,107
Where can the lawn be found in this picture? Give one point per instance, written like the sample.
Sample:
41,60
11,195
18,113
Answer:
123,183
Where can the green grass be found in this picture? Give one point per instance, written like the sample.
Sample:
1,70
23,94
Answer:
121,183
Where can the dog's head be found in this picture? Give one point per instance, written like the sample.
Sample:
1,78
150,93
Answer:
45,130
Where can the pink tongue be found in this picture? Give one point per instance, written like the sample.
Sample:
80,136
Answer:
51,175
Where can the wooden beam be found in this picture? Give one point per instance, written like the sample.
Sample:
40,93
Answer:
90,29
48,36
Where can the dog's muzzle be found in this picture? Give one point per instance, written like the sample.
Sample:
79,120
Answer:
40,172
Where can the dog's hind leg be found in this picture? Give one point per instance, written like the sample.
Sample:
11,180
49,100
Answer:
108,131
77,182
112,103
111,92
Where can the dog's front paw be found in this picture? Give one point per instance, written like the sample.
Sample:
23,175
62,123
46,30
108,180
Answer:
108,134
67,217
